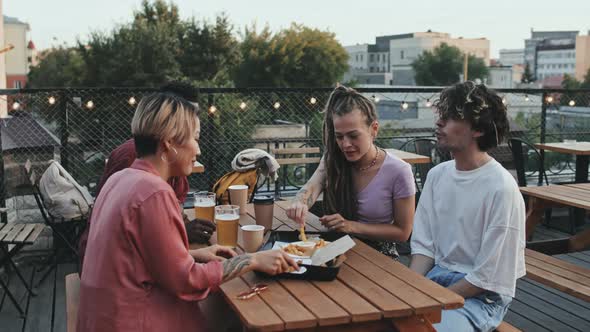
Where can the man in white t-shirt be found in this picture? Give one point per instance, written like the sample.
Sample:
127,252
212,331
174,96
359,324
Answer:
469,227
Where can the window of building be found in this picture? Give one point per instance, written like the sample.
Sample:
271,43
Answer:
378,57
372,57
17,84
371,69
356,57
401,54
362,57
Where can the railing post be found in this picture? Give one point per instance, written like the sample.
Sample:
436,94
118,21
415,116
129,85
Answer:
64,130
4,217
543,130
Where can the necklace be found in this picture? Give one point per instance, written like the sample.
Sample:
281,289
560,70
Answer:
373,162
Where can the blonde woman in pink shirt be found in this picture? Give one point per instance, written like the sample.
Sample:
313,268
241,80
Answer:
139,274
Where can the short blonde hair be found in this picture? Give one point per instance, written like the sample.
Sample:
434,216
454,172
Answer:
162,116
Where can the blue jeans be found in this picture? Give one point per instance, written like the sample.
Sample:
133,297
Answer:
480,313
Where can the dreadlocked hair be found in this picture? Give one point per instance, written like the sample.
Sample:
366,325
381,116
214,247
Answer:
483,108
339,193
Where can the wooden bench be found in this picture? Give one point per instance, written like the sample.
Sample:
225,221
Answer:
72,300
556,273
294,156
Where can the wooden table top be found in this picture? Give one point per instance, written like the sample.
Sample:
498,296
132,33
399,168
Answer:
409,157
371,290
576,195
577,148
20,233
198,167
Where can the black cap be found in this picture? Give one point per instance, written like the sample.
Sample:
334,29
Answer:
263,199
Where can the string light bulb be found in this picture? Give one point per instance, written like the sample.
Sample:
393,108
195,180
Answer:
242,105
504,100
51,100
377,99
549,99
572,103
277,105
428,103
405,106
90,104
526,98
15,105
212,109
132,101
313,100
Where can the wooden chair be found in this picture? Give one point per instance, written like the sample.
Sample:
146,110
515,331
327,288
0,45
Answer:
301,159
425,146
66,231
72,300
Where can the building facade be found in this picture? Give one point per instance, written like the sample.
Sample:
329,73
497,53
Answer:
540,37
582,56
395,53
555,57
22,56
505,77
509,57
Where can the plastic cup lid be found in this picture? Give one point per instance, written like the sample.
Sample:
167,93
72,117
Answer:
263,199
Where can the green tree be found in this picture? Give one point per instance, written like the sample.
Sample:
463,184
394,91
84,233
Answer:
569,82
155,47
295,57
59,67
443,66
527,76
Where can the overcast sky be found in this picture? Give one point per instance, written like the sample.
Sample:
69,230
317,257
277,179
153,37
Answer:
506,23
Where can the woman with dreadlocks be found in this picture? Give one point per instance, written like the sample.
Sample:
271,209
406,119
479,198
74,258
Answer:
367,192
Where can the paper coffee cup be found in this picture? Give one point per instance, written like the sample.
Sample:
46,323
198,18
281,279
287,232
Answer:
238,195
252,236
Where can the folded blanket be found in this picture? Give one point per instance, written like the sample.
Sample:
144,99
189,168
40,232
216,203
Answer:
252,158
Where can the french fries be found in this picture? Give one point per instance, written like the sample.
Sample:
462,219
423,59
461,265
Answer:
302,236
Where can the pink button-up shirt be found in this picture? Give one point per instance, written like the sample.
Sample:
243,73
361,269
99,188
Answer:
138,274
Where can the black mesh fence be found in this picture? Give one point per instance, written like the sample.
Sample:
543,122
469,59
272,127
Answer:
79,127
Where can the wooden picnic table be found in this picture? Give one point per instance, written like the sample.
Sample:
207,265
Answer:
409,157
17,235
580,149
372,292
573,195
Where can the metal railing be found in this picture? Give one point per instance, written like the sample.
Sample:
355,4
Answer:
79,127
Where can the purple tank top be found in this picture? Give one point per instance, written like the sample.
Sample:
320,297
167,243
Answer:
394,180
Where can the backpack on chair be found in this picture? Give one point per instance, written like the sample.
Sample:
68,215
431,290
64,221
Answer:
249,178
63,197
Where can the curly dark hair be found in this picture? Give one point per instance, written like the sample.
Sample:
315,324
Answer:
481,107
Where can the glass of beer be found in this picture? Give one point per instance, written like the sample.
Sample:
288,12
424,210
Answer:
205,205
227,219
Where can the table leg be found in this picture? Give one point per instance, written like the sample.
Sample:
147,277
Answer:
533,216
582,168
8,257
581,177
580,241
417,323
11,297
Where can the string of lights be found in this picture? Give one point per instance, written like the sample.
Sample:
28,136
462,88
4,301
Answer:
376,97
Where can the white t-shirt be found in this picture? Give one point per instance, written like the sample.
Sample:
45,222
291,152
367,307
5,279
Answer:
473,222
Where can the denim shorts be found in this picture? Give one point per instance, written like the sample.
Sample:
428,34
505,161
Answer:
480,313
